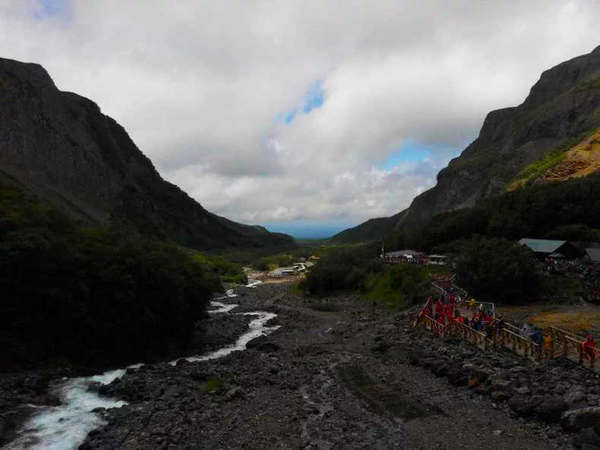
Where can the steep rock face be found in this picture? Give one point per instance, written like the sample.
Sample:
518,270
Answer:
562,112
562,109
60,145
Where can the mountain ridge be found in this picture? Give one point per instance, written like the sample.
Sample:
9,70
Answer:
61,146
561,111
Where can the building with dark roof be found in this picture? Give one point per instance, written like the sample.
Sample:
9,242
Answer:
544,248
593,254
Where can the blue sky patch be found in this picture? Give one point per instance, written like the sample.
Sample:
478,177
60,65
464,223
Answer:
313,99
51,8
306,230
413,151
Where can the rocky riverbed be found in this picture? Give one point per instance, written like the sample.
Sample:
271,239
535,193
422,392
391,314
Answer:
338,375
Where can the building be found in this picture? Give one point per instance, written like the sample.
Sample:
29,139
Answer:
404,256
439,260
547,248
593,255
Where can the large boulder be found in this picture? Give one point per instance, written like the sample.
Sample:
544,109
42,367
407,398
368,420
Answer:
440,369
578,419
457,376
575,396
587,439
550,409
523,405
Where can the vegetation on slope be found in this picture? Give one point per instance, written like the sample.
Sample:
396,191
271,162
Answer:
576,157
358,268
500,269
534,170
569,210
72,294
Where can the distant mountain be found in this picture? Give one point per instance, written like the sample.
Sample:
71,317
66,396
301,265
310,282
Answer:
60,146
367,231
554,135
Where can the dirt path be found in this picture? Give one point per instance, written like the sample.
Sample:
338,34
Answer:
337,379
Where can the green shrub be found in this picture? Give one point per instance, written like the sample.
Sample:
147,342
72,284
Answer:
342,269
499,268
398,286
91,295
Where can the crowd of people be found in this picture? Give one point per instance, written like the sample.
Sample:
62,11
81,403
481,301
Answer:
587,272
444,310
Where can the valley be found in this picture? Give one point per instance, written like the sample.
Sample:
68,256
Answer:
135,314
339,379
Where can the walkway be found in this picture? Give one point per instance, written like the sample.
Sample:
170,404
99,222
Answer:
564,343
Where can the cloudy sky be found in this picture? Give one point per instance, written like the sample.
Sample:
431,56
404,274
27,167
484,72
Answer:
299,114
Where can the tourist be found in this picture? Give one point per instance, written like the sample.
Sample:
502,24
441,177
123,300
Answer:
548,347
589,349
500,323
536,336
489,332
427,312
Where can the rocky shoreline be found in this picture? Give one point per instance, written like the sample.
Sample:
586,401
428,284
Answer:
344,376
23,393
340,378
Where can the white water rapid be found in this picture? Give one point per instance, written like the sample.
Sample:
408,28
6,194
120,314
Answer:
66,426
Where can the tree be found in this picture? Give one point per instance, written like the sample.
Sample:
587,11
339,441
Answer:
499,268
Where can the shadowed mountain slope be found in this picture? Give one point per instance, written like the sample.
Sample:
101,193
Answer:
518,146
60,146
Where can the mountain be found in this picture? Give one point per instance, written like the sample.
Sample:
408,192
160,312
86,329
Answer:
554,135
60,146
371,229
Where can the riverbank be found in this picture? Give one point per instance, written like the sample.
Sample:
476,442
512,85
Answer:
335,375
27,393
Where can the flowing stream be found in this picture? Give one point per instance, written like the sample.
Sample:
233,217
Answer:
66,426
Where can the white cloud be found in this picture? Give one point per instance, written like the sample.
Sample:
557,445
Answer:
201,87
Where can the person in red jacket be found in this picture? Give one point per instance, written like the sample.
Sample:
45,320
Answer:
429,303
589,349
450,311
427,312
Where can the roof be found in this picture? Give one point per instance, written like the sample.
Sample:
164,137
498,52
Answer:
399,253
437,256
593,253
542,245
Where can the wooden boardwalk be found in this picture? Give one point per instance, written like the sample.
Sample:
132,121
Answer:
564,343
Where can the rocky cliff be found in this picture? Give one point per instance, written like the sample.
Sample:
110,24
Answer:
60,146
521,145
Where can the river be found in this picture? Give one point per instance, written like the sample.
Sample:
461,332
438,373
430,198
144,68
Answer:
66,426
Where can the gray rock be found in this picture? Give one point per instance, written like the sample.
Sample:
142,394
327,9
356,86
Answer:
233,393
523,406
578,419
551,409
574,396
499,396
523,390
